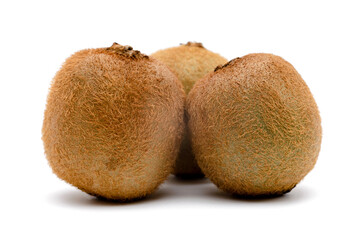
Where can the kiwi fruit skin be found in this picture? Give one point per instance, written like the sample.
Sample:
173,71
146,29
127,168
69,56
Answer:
113,122
189,62
255,127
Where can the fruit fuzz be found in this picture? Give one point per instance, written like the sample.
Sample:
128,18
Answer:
113,122
189,62
255,126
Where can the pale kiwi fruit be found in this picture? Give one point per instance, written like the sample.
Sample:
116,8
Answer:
189,62
113,122
255,126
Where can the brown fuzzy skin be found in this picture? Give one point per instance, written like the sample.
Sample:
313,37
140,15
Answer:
189,62
255,126
113,122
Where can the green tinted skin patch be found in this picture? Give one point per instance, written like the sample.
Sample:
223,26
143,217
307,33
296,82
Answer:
255,125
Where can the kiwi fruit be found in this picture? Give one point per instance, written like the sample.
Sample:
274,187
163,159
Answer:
255,127
189,62
113,122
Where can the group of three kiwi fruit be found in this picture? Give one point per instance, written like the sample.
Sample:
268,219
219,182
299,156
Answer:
118,122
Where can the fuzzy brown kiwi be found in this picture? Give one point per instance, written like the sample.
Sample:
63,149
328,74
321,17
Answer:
255,126
190,62
113,122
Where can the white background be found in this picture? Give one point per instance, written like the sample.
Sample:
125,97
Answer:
320,38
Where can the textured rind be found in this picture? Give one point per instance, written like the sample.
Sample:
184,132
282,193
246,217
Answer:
113,123
255,127
189,62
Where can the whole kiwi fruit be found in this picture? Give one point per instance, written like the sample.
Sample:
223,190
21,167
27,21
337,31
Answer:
113,122
255,126
189,62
